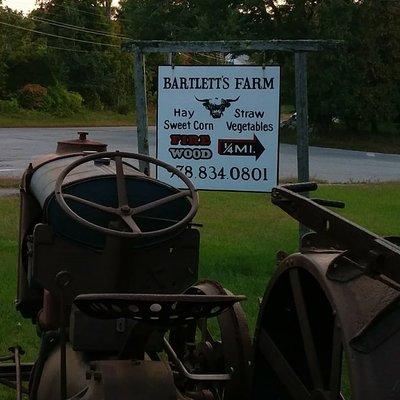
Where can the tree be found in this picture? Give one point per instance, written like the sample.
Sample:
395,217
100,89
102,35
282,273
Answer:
183,19
22,59
91,63
360,84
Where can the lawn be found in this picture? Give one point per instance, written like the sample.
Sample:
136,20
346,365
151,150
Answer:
29,118
240,237
7,183
32,118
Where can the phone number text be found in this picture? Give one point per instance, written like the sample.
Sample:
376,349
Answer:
222,173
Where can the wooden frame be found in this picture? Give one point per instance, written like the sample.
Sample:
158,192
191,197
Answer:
300,48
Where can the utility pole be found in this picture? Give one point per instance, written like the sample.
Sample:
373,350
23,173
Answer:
108,5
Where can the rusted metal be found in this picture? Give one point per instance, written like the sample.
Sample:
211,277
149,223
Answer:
171,266
17,352
80,145
48,317
107,304
188,375
373,255
12,375
325,316
232,349
324,334
7,370
155,308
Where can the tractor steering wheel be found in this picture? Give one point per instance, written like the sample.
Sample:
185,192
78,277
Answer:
124,210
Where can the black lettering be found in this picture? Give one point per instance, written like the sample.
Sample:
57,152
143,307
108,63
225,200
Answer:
183,83
225,81
269,84
188,154
167,83
239,82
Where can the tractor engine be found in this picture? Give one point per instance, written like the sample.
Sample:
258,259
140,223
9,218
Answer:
51,241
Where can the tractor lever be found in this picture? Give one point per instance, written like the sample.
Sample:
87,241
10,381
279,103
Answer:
311,187
329,203
63,280
301,187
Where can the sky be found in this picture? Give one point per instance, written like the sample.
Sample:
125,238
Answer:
22,5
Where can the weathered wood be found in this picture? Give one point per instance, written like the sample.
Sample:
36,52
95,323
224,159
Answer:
153,46
141,108
303,172
303,163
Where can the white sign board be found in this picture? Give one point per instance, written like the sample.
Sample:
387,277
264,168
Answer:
219,125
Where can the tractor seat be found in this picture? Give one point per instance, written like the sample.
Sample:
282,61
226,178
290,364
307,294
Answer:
156,309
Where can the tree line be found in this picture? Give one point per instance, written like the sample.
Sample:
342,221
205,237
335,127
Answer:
74,46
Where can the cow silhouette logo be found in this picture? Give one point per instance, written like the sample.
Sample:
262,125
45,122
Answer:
217,110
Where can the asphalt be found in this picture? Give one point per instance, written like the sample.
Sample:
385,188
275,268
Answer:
18,146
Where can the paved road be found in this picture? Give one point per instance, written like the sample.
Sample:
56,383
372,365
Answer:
20,145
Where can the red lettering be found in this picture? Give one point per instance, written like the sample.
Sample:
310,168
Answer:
190,140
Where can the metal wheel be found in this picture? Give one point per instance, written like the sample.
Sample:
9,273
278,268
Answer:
304,333
215,347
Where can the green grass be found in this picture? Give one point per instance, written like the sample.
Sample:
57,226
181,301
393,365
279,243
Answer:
287,109
13,328
31,118
6,183
27,118
241,235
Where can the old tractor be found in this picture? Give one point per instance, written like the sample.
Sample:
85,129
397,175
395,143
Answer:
108,273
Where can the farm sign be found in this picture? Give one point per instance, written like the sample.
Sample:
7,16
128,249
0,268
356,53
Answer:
219,125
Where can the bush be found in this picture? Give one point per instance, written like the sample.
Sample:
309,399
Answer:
124,109
9,106
61,102
93,101
32,96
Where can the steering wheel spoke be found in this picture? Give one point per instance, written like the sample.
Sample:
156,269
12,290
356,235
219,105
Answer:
121,182
89,203
160,202
131,223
